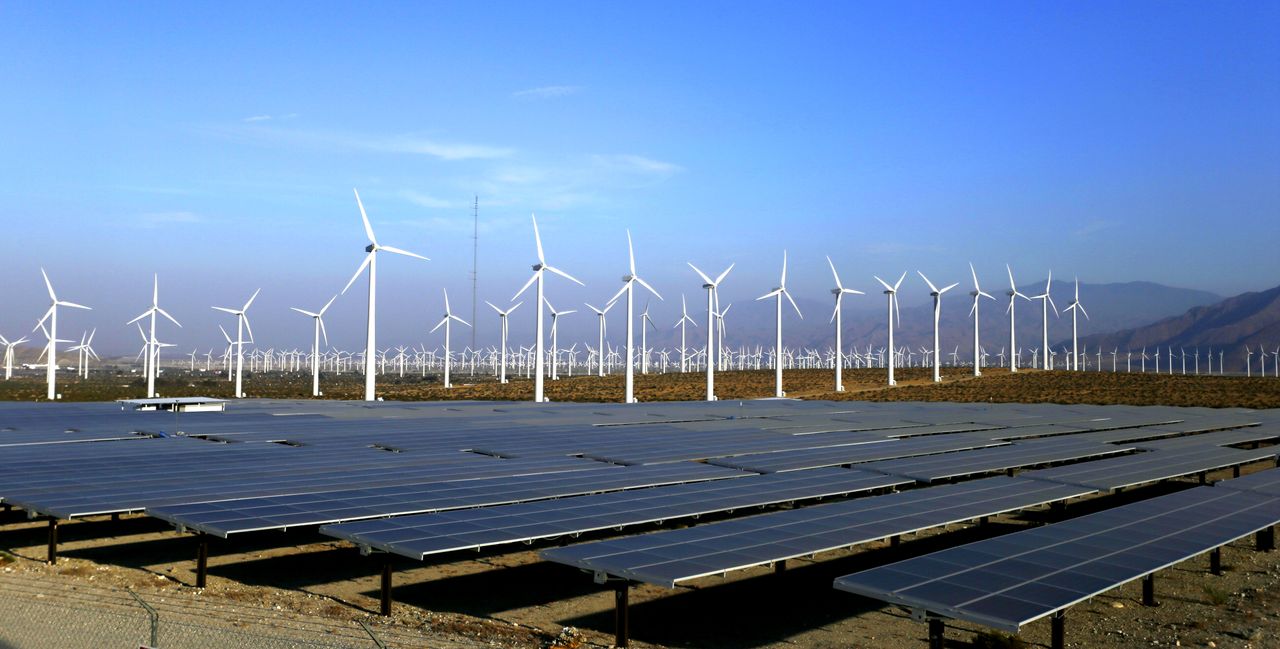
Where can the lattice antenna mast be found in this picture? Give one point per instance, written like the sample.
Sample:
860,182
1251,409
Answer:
475,265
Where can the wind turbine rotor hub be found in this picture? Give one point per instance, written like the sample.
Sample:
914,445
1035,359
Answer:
371,247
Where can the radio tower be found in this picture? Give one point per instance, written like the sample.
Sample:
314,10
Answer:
475,261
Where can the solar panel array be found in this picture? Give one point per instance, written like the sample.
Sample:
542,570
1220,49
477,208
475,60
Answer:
1008,581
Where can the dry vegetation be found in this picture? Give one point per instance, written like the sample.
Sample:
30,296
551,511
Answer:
996,385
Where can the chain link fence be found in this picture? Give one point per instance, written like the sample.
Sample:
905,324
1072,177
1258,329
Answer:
37,615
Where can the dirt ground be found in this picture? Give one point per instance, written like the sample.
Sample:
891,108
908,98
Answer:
507,597
914,384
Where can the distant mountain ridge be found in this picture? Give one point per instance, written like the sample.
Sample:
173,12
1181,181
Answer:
1249,319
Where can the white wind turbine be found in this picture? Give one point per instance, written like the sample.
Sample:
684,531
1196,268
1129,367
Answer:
538,269
8,354
644,338
892,293
1013,294
242,323
777,294
555,320
371,262
937,314
600,313
318,318
684,319
444,322
502,315
151,343
51,364
713,304
1045,301
839,291
1073,307
978,294
628,282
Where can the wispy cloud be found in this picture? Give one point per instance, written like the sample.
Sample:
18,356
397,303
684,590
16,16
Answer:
894,248
402,143
547,92
1093,227
426,200
637,164
266,118
159,219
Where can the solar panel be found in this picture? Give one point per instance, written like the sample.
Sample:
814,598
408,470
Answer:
1265,482
1008,581
839,455
1152,466
225,517
668,557
418,536
929,468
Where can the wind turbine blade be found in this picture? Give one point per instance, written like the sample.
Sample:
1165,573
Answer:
512,309
367,258
48,285
155,290
1055,307
224,334
926,281
322,331
837,309
783,282
144,314
793,303
834,273
853,291
973,308
251,299
527,284
564,275
368,229
166,314
975,277
1013,287
456,318
446,301
326,306
899,282
618,294
705,279
646,285
948,288
306,313
247,327
769,294
609,306
537,239
631,253
1082,310
883,283
403,252
896,309
493,307
725,273
439,324
225,310
73,305
597,311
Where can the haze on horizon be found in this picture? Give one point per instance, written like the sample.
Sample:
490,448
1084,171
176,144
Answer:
218,145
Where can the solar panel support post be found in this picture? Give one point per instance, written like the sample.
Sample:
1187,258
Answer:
202,559
1215,561
621,613
1203,476
52,557
1265,539
895,540
937,633
780,566
1058,630
1235,471
1149,590
385,609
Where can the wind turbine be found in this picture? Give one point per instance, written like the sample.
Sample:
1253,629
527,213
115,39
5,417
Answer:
628,282
839,291
977,294
444,322
777,294
242,323
892,293
538,269
684,319
713,303
604,326
937,314
371,262
1073,307
502,315
555,319
1045,301
51,364
1014,294
318,317
151,343
644,339
8,354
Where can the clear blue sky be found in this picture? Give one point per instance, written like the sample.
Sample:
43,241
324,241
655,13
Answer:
218,145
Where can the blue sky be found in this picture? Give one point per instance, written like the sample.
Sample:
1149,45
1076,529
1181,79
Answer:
218,145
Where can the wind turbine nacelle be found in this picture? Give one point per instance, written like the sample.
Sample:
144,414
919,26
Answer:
835,291
370,248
